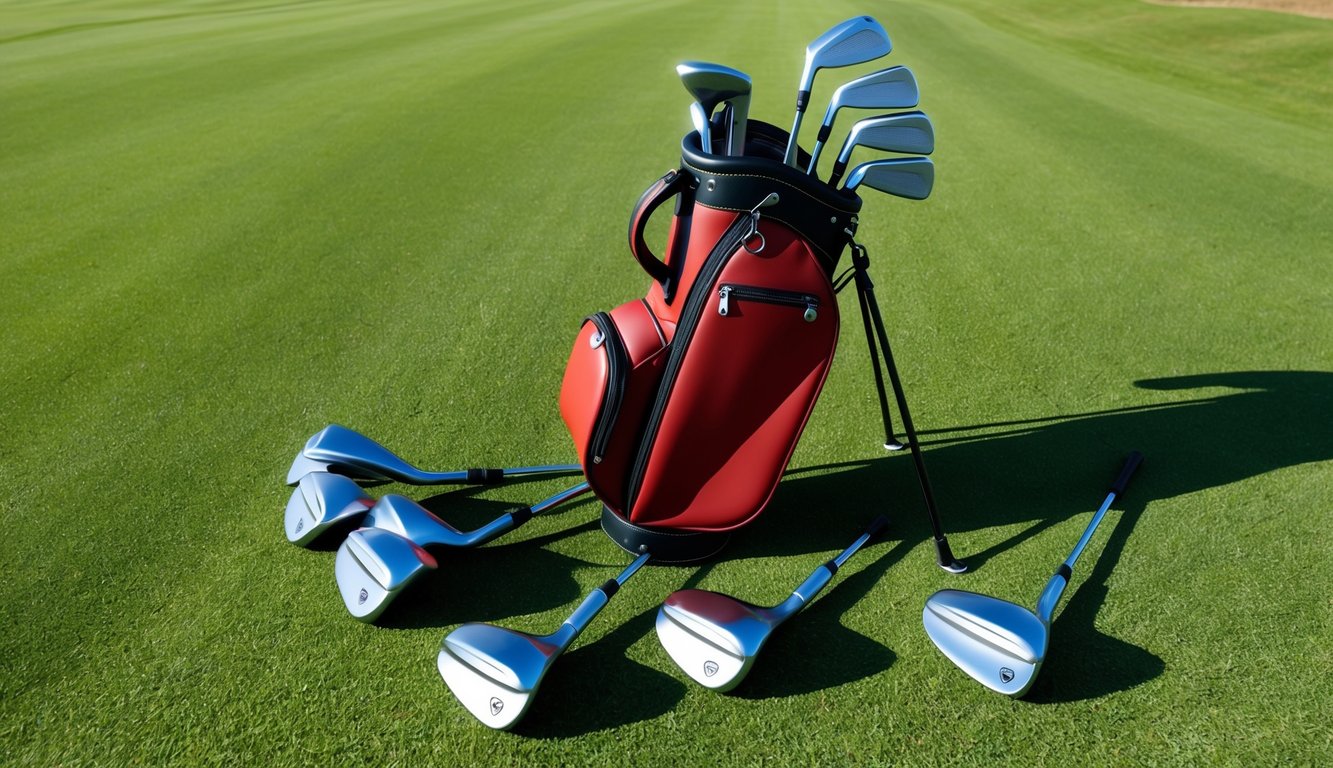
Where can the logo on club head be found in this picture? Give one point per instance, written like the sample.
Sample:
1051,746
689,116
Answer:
300,525
710,668
1006,674
361,599
496,705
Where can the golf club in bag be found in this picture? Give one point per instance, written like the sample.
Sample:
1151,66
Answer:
1001,644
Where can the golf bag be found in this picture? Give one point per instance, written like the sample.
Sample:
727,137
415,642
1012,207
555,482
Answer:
685,406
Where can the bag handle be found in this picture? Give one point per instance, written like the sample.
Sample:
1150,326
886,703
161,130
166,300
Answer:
661,190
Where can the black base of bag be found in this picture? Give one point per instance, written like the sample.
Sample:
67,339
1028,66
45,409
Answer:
667,546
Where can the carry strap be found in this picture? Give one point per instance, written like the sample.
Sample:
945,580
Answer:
665,188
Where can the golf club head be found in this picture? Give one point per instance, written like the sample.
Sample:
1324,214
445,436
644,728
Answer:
712,84
320,501
909,177
348,452
854,41
891,88
494,672
712,637
412,521
1000,644
906,132
373,566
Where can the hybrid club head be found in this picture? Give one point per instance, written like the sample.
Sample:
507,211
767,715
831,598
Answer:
495,672
710,85
892,88
905,132
854,41
715,638
909,177
373,566
999,644
320,501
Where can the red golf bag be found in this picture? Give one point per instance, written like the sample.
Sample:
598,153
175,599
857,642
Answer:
685,406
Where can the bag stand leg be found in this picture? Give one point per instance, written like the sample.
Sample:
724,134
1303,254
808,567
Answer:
871,315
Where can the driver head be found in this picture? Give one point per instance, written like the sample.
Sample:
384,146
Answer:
712,637
494,672
320,501
373,566
1000,644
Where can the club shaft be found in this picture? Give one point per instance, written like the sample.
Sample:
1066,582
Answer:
593,604
560,498
822,575
790,157
505,522
1055,587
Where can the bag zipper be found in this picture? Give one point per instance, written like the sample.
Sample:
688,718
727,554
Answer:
730,293
743,229
617,371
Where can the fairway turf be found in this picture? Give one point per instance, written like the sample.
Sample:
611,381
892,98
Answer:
224,225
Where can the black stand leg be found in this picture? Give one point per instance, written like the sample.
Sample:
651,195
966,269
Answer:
870,308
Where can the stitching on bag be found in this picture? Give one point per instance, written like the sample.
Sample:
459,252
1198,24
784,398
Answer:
787,184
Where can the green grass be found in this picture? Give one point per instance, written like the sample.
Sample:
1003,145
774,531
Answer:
224,225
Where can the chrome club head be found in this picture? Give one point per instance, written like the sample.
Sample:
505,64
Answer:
909,177
377,562
712,84
348,452
320,501
892,88
373,566
495,672
854,41
1000,644
715,638
905,132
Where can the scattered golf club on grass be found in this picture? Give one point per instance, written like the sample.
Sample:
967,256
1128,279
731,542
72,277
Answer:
909,177
495,672
376,563
344,451
711,85
715,638
908,133
321,501
892,88
1000,644
854,41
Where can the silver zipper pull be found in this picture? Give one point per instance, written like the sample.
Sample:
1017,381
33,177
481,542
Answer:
724,305
811,310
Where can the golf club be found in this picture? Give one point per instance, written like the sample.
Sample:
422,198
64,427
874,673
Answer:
715,638
347,452
710,85
854,41
906,132
703,126
377,562
892,88
320,501
494,672
1000,644
910,177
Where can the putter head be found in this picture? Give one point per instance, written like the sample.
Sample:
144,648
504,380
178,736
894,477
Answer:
494,672
321,501
373,566
347,452
854,41
909,177
1000,644
712,637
